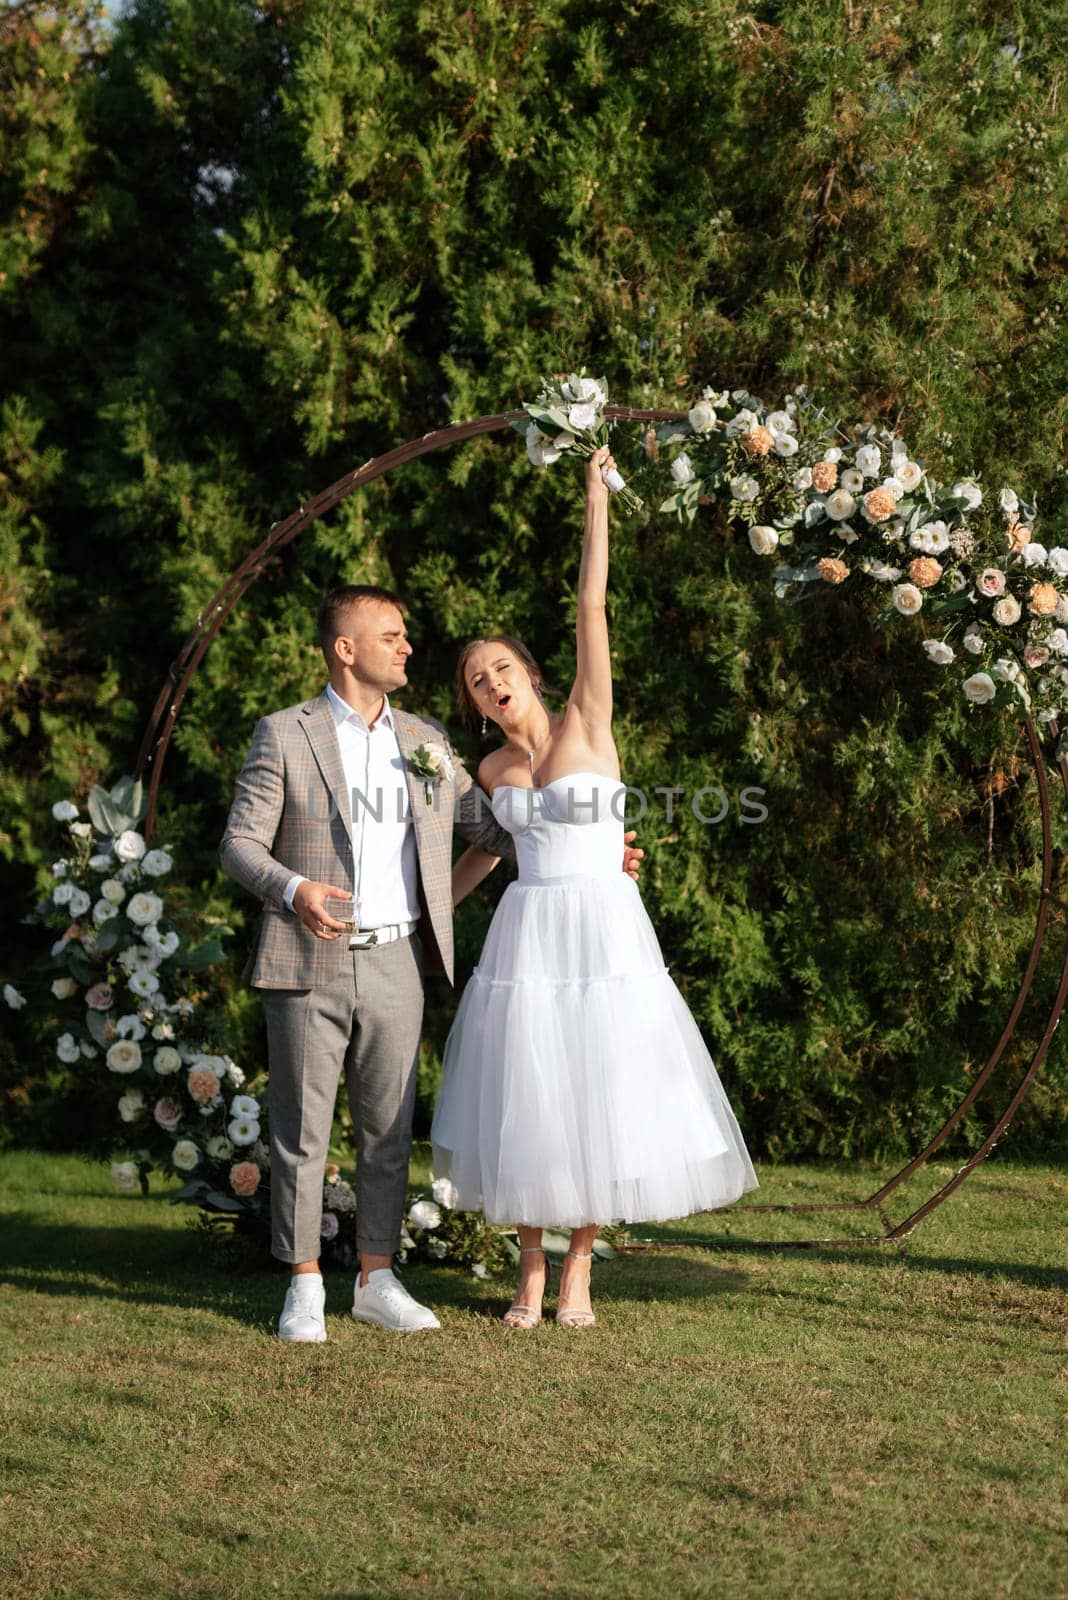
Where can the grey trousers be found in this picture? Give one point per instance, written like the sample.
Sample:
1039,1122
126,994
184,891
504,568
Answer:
367,1022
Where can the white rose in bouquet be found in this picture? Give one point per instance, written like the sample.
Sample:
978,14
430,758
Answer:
973,641
64,988
744,487
157,863
124,1056
114,891
780,422
166,1060
980,688
802,479
682,468
1058,642
1034,555
445,1192
907,599
852,480
742,422
129,846
969,491
185,1155
67,1049
124,1175
144,908
424,1214
1007,610
702,417
939,651
1058,561
839,505
763,539
869,459
132,1105
909,474
784,444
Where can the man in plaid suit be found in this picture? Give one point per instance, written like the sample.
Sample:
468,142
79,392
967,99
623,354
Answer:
327,807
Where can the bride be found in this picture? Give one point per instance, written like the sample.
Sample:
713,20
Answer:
576,1087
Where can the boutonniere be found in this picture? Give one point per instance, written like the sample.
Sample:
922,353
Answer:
431,763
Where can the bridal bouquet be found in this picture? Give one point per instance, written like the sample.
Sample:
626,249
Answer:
568,415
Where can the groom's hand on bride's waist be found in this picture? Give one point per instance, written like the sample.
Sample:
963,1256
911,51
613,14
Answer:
631,858
309,904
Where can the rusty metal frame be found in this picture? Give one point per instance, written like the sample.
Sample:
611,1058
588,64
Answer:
160,727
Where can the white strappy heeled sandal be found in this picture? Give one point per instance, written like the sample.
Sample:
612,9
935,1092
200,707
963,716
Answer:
576,1319
519,1315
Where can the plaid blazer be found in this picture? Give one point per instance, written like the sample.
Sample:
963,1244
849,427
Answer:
291,813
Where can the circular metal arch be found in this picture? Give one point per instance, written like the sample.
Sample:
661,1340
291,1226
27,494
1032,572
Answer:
160,727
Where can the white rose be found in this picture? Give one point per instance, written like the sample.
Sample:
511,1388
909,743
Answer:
12,997
703,417
242,1105
833,454
1034,555
940,652
969,491
802,479
129,846
780,422
582,417
64,988
1007,610
682,468
113,890
744,487
763,540
131,1105
445,1192
1058,642
840,504
63,893
742,422
424,1214
143,984
1004,670
103,911
893,486
980,688
67,1048
124,1056
144,908
79,903
851,479
243,1130
124,1174
1058,561
907,599
973,642
166,1060
64,811
932,538
784,444
185,1155
869,459
1008,501
908,474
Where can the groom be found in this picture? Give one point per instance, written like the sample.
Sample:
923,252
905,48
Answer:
327,808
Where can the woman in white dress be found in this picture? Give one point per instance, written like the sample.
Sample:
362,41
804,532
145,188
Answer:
576,1088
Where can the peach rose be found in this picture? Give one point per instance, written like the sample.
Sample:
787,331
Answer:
1036,655
990,582
1043,601
824,476
203,1085
245,1178
831,570
757,443
99,997
925,572
879,504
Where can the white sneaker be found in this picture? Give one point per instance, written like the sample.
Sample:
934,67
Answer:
302,1320
384,1300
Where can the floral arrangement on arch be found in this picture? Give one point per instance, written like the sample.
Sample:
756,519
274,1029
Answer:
833,507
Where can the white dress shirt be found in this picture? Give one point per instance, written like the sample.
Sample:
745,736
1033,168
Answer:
384,853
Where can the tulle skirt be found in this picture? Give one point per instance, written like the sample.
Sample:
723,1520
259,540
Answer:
576,1086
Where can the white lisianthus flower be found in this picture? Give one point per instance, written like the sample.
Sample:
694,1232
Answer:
67,1048
243,1130
940,652
185,1155
64,811
909,474
1034,555
166,1060
424,1214
931,539
124,1175
143,984
129,846
103,911
847,534
980,688
132,1105
144,908
130,1027
1009,501
717,397
79,903
742,422
135,958
839,505
111,889
587,389
1058,642
219,1148
969,491
63,893
129,872
780,422
744,487
833,454
851,479
583,416
973,641
882,573
13,998
445,1192
242,1105
64,988
562,441
682,468
869,459
1058,560
702,417
1007,610
1005,670
907,599
124,1056
802,479
784,444
763,540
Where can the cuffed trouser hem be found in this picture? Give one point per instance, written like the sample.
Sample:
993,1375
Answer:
291,1257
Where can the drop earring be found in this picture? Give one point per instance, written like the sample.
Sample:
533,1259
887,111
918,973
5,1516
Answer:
483,727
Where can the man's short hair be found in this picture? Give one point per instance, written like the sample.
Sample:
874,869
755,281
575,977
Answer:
336,604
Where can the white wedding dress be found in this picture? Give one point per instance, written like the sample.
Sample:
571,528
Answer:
576,1086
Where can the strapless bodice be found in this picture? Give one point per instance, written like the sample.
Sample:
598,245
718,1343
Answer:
569,828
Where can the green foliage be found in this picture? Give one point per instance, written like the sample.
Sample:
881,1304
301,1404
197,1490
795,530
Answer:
275,240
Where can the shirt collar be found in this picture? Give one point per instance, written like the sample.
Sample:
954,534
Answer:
345,713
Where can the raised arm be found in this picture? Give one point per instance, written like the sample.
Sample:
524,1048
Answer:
591,694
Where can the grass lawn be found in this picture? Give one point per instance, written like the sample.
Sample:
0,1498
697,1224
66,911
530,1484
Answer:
752,1423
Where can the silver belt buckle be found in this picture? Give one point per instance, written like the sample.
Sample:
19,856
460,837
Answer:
367,940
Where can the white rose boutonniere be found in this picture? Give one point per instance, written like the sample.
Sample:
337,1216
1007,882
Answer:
430,762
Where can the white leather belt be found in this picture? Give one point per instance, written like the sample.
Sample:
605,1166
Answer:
364,938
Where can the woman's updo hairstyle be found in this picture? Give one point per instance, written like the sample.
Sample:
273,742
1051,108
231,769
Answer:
469,711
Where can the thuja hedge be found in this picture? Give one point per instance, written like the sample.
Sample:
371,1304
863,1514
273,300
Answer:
243,248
